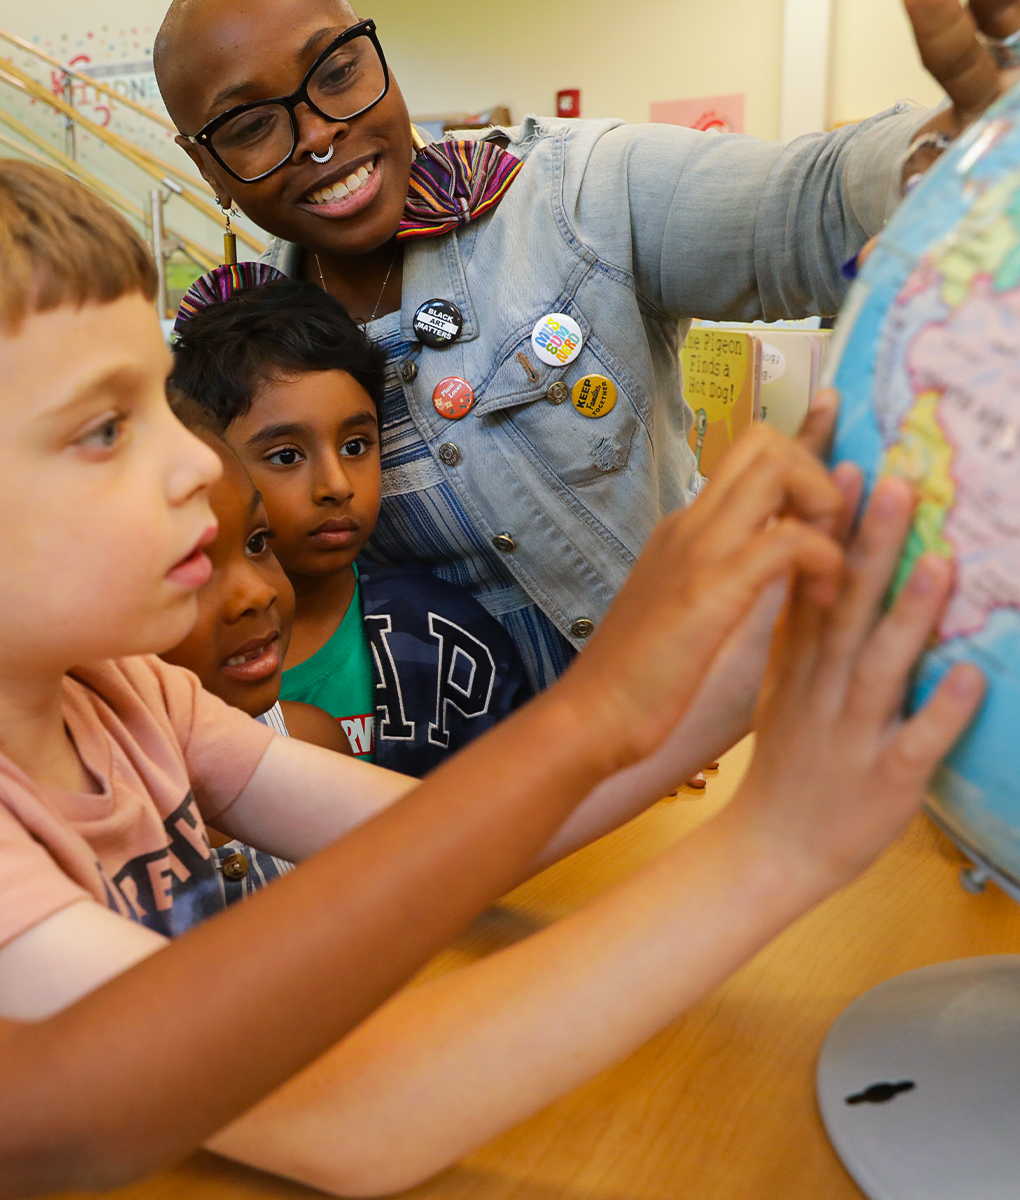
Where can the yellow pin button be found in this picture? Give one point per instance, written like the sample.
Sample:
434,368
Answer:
594,395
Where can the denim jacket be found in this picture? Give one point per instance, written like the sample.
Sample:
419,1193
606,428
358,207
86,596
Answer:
632,230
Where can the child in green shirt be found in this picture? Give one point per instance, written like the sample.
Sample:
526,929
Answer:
339,676
411,666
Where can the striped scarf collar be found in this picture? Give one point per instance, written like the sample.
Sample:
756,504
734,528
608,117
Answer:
453,183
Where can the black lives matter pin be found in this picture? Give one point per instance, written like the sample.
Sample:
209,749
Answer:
438,323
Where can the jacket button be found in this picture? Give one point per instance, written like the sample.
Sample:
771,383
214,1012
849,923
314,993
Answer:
409,371
449,454
557,392
582,628
235,866
504,542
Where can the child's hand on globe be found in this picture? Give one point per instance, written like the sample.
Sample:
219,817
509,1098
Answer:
837,771
771,512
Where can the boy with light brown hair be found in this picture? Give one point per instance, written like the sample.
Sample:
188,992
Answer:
117,992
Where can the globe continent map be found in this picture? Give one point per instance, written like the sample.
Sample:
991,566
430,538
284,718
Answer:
927,361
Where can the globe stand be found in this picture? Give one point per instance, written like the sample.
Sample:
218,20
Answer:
919,1083
981,870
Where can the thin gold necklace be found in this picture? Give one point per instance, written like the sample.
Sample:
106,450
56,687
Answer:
382,290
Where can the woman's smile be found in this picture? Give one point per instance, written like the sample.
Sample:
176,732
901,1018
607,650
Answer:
352,190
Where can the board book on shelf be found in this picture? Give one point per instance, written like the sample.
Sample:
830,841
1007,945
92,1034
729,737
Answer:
736,374
722,382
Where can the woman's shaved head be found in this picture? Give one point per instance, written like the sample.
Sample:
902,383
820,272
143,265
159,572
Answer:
187,20
212,55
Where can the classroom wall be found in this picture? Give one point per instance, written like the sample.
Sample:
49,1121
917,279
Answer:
874,61
622,56
106,30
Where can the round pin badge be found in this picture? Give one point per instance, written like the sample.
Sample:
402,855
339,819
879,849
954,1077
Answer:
453,397
594,395
438,323
557,339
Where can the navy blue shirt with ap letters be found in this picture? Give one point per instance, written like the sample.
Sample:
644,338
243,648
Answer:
446,671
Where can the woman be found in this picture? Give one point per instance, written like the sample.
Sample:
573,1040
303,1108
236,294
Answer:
493,478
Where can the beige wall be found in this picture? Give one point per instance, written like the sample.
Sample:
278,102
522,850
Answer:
875,61
621,55
624,56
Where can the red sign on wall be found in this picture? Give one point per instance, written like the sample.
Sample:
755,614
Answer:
723,114
568,102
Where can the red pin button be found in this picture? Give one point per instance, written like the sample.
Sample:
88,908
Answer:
453,397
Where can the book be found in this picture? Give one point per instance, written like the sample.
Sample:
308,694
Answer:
722,382
791,365
735,374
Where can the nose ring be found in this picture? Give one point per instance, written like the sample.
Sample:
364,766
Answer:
326,157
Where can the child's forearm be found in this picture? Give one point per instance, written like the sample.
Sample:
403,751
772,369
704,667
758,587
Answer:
443,1068
356,920
837,772
718,717
351,925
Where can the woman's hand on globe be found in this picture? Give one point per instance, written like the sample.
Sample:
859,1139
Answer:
837,771
950,40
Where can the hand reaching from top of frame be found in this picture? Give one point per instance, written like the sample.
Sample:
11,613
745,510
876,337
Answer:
950,38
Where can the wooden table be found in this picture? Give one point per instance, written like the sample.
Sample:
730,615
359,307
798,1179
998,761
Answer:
720,1106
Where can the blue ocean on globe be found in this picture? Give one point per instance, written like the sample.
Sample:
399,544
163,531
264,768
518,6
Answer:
926,356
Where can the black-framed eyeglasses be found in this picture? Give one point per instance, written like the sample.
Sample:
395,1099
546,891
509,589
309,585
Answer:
348,78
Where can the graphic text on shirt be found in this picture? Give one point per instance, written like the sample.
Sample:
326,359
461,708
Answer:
172,889
360,732
465,674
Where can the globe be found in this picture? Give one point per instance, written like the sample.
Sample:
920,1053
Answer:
919,1078
927,361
